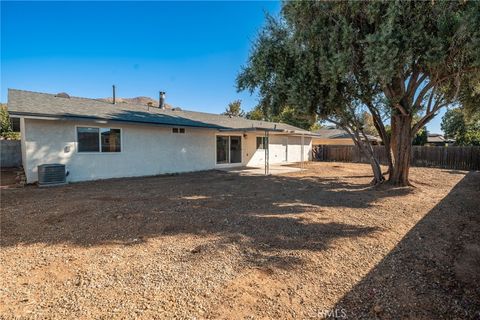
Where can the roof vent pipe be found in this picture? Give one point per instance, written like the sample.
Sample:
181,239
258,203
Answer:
113,94
161,100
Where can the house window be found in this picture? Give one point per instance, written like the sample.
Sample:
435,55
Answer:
15,124
229,149
110,139
262,142
88,139
178,130
91,139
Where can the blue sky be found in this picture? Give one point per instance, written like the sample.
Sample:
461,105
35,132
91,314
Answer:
191,50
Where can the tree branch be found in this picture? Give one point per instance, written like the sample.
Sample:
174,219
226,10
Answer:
436,82
422,94
413,81
390,95
430,99
348,129
428,116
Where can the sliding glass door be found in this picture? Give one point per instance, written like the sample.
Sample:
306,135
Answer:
229,149
223,154
235,149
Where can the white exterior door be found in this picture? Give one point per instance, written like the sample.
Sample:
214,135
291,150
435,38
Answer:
278,149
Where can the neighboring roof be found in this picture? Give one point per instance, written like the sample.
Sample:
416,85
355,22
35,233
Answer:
27,103
334,133
438,138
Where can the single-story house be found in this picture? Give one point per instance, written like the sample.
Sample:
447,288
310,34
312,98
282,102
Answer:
438,140
334,136
98,140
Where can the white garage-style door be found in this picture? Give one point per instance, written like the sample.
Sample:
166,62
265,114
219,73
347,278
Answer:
278,149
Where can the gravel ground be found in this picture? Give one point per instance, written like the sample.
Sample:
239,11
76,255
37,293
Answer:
313,244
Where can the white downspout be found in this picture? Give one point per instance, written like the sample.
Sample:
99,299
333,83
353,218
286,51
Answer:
303,151
267,153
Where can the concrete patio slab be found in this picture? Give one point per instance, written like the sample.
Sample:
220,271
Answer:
274,170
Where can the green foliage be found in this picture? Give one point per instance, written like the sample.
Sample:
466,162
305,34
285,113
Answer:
11,135
5,125
6,131
288,115
255,114
292,116
273,68
316,126
469,96
462,126
331,57
234,109
421,137
471,138
453,123
383,45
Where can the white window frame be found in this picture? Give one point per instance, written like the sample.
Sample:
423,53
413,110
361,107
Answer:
99,140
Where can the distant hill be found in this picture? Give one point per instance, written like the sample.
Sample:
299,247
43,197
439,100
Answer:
136,100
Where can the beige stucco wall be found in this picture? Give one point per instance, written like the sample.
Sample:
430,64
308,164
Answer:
282,149
146,150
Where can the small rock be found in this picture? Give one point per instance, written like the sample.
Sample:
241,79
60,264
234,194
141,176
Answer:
378,309
196,250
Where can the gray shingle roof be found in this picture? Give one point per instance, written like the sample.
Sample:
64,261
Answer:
333,133
27,103
438,138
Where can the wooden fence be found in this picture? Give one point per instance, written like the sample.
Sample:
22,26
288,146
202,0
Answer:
461,158
10,153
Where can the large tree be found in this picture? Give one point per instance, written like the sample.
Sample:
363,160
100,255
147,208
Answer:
288,76
420,54
396,57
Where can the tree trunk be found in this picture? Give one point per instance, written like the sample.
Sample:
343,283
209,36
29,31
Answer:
401,144
388,151
377,171
364,147
386,144
380,127
367,150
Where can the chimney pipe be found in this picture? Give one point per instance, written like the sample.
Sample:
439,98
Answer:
113,94
161,100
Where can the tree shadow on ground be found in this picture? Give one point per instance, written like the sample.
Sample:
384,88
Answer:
262,213
434,272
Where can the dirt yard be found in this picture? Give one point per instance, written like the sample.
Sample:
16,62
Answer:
313,244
